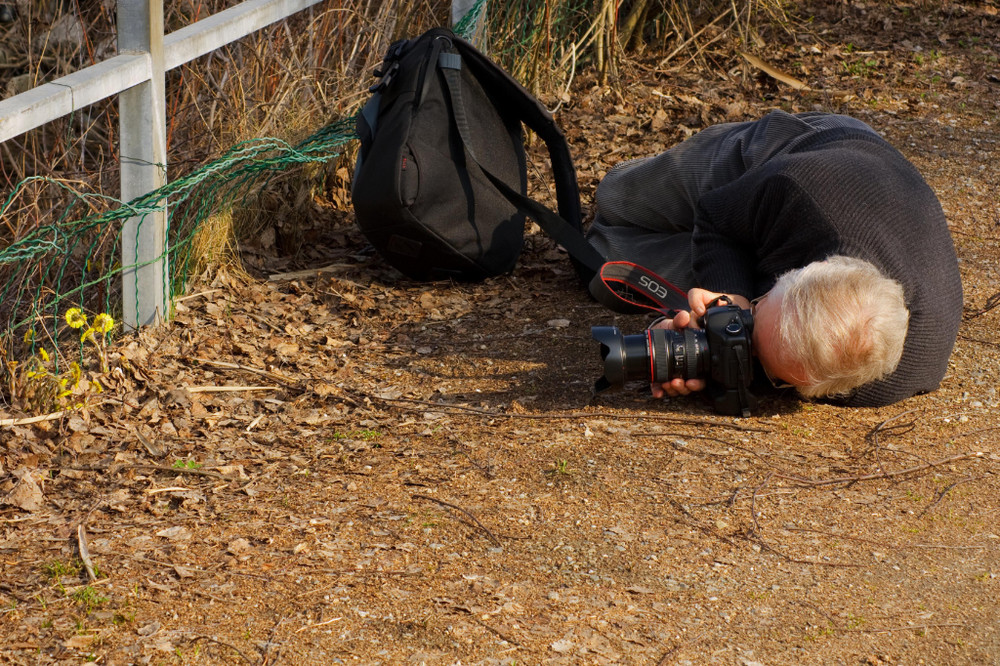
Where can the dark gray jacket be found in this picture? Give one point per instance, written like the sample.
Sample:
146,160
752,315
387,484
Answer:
778,200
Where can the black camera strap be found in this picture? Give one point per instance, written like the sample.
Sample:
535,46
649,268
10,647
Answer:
632,289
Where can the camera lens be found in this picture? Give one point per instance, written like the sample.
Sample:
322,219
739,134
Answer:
657,355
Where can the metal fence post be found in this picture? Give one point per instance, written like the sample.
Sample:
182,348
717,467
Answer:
143,149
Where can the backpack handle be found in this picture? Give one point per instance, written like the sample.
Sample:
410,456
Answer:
566,228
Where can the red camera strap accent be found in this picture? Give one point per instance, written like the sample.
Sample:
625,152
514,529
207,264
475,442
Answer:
632,289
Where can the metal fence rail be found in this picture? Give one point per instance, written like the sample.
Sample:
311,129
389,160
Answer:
137,74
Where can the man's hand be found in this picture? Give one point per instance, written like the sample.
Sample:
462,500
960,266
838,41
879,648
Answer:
699,299
678,385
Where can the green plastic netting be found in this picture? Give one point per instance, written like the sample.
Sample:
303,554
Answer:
74,260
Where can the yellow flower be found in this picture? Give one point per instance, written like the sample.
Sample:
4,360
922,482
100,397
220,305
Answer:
75,372
44,354
29,335
89,333
75,318
103,323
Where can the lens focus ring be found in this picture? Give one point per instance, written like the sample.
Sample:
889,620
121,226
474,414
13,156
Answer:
660,354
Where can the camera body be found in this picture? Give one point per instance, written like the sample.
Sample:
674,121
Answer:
720,353
729,330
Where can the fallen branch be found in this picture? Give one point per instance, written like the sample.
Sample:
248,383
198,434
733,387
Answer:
692,38
318,624
235,649
310,272
228,389
943,492
775,73
915,627
811,483
198,295
180,470
261,320
570,415
882,544
158,468
34,419
81,542
753,502
496,632
665,659
485,529
247,368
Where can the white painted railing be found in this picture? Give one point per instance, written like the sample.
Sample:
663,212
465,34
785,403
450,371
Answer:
137,73
137,76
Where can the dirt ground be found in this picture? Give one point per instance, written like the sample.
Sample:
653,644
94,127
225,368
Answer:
347,467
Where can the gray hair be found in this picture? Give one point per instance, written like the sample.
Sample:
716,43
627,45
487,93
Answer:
843,322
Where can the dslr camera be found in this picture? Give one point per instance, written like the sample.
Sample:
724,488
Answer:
719,353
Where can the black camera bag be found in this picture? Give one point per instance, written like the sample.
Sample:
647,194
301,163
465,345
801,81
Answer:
441,178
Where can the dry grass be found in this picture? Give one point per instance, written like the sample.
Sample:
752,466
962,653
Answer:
297,75
288,78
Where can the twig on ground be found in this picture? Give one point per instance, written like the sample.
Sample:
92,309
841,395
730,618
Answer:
235,649
228,389
81,542
819,610
197,295
943,492
151,447
246,368
776,73
991,302
794,560
180,470
496,632
266,659
692,38
665,659
48,417
915,627
813,483
882,544
34,419
753,502
485,529
872,436
319,624
568,415
262,320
